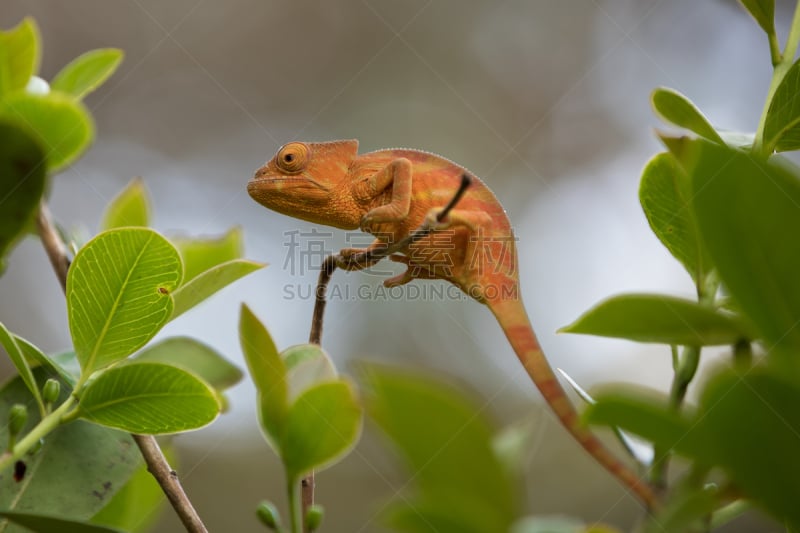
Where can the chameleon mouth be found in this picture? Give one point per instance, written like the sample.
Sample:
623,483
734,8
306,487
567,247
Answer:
282,182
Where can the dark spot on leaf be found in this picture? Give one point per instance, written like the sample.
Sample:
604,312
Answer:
163,290
19,471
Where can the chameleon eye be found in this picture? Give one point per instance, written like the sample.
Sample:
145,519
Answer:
292,158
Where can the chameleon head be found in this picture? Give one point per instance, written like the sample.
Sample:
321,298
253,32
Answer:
304,178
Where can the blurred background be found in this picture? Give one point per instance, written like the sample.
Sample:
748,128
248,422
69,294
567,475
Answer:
547,101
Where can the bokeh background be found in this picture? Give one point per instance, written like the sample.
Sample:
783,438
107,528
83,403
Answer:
547,101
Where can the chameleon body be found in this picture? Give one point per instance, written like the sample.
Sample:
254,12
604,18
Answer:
390,193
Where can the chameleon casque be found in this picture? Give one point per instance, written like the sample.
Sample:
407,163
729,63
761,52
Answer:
391,193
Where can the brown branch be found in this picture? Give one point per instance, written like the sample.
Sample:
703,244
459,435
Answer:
157,464
53,245
365,258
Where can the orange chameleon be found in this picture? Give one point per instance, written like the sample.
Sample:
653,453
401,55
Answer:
391,193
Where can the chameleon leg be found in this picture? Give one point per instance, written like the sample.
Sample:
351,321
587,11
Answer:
438,264
349,259
414,271
398,175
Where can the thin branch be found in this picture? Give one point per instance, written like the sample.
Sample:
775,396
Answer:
157,464
365,258
53,245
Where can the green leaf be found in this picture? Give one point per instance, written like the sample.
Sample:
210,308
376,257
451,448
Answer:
64,366
748,212
782,125
675,108
195,357
764,13
22,183
454,464
78,469
322,425
201,254
62,126
50,524
17,356
149,398
754,424
118,294
136,507
307,365
131,207
87,72
209,282
268,372
646,414
660,319
665,194
19,56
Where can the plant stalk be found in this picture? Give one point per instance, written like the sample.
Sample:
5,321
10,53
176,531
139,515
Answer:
778,73
296,519
44,427
157,464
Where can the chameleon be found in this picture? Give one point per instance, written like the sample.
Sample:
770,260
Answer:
389,194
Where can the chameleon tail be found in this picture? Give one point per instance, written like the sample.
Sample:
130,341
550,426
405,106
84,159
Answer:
513,319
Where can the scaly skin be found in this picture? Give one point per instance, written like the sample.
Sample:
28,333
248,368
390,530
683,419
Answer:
390,193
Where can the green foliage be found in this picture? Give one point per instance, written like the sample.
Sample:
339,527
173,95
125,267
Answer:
660,319
202,254
747,212
764,13
40,523
61,125
268,372
309,415
76,461
756,459
665,194
40,133
646,414
210,263
135,508
730,214
195,357
131,207
87,72
321,425
19,56
201,287
149,398
122,287
118,294
782,126
17,356
22,182
461,483
674,107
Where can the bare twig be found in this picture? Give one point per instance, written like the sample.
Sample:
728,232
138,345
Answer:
53,245
367,257
157,464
